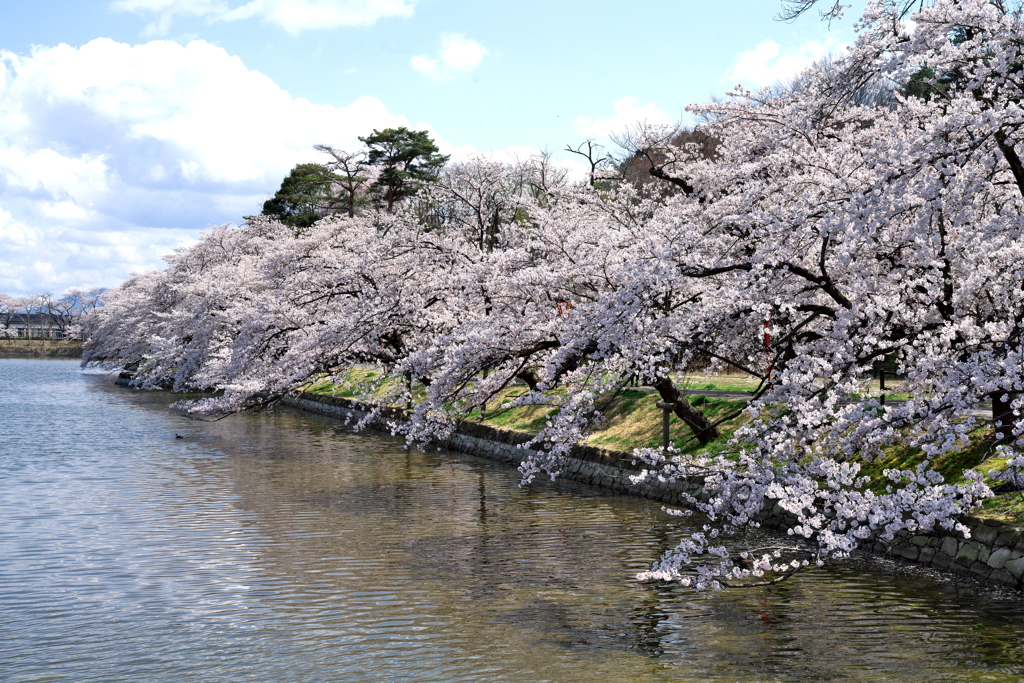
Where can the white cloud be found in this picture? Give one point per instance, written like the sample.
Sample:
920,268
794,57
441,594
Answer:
767,63
457,54
293,16
112,155
427,66
628,113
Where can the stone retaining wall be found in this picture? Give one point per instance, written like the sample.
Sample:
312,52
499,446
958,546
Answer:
995,551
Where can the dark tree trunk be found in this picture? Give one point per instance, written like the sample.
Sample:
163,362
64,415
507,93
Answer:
1002,414
699,424
530,377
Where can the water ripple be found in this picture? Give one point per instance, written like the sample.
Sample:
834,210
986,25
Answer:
279,547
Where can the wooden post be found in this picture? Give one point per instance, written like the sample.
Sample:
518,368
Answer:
1003,417
666,409
483,406
881,380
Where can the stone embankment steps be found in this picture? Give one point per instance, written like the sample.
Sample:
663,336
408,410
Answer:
994,552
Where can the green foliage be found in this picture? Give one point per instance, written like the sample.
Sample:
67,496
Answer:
407,159
926,85
303,197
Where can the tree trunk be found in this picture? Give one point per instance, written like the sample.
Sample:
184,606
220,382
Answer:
1002,414
694,419
530,377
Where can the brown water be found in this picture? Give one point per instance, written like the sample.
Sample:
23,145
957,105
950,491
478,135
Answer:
278,547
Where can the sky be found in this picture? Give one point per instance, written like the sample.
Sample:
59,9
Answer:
127,127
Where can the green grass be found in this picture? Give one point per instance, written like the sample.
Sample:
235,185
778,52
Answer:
977,455
633,420
41,347
524,418
355,384
1007,507
718,382
743,382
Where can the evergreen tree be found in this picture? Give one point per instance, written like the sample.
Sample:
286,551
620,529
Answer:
407,159
303,198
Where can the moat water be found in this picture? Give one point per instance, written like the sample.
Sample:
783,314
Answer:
279,547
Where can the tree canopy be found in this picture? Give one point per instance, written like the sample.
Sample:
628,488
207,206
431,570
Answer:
396,164
303,198
407,159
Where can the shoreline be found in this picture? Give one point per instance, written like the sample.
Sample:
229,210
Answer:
994,553
25,348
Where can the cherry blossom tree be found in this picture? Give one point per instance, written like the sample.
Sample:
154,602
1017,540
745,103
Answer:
861,220
9,307
865,233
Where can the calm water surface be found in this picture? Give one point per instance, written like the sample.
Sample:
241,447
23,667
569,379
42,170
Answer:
278,547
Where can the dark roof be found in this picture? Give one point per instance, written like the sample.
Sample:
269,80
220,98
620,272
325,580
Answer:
33,318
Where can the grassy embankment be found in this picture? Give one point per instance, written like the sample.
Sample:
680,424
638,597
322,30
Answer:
41,348
632,420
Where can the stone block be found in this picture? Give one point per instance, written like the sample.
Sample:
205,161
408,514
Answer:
981,569
949,546
910,552
985,534
983,553
920,541
1015,567
941,561
967,555
1007,537
926,555
1004,577
999,558
960,567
